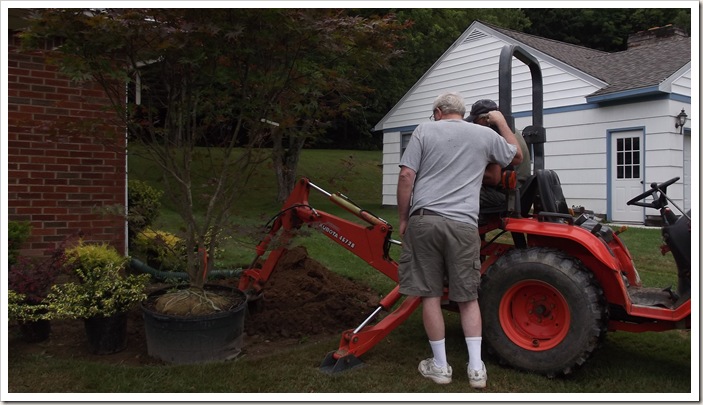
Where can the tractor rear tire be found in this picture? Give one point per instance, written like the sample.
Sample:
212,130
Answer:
542,311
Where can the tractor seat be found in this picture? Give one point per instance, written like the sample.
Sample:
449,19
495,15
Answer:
543,190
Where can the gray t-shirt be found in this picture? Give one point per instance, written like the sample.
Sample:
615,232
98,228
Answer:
449,158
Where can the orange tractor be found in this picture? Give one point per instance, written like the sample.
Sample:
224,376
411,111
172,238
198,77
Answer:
548,296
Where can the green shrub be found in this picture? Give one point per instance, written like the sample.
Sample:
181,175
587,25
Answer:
144,204
160,249
103,290
17,234
93,258
19,309
165,251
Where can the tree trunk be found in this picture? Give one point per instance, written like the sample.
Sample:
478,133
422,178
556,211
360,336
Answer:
285,164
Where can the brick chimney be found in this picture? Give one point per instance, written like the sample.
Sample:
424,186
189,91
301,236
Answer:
655,35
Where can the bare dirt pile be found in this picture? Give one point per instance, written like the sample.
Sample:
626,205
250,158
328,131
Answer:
304,298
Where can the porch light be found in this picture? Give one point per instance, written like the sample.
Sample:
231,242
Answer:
681,120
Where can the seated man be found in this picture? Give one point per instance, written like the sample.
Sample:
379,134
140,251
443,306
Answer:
492,194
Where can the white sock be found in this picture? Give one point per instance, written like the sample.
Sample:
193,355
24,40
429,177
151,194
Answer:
474,345
439,352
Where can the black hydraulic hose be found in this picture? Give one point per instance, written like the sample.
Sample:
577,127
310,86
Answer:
181,275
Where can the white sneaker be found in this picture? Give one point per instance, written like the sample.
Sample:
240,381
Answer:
440,375
477,378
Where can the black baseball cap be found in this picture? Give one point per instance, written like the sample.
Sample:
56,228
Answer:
481,107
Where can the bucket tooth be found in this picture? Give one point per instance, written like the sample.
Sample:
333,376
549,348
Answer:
332,365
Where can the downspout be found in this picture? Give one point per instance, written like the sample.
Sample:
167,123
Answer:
126,176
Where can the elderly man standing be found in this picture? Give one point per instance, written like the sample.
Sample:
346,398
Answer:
438,203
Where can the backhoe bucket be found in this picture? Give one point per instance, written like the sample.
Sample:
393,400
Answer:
331,365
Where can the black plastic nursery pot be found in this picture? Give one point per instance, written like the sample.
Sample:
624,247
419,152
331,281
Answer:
196,339
35,331
107,335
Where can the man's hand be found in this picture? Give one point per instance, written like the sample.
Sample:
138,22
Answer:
497,119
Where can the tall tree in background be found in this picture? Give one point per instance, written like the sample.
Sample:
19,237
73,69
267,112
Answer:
605,29
319,60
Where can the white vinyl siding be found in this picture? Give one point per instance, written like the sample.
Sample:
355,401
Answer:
576,149
686,179
391,158
682,85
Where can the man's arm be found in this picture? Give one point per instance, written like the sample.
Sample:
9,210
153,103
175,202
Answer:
496,118
406,180
491,177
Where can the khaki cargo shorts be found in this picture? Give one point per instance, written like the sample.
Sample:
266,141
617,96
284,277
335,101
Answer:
438,252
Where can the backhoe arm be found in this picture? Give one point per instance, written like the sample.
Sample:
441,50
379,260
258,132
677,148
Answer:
371,243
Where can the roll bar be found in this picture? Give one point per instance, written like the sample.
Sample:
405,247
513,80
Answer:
535,134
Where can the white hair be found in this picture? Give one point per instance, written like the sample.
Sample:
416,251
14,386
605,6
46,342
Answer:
450,103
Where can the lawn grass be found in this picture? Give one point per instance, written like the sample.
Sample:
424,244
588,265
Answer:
629,366
660,270
651,363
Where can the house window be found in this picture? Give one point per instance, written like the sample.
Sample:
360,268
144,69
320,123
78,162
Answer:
628,158
404,140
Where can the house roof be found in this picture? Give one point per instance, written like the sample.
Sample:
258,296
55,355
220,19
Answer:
640,67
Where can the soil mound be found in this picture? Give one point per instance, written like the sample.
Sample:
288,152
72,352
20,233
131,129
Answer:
304,298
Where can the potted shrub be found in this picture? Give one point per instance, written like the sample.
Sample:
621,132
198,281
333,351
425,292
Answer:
18,310
29,279
32,318
101,296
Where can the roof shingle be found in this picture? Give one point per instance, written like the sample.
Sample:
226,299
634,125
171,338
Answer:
639,67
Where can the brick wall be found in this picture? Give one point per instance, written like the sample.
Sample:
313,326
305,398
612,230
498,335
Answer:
66,156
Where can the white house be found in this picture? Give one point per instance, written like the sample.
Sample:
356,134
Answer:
609,117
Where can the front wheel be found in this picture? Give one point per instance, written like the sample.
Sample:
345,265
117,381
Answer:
542,311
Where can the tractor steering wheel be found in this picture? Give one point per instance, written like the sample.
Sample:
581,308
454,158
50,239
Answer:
654,187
